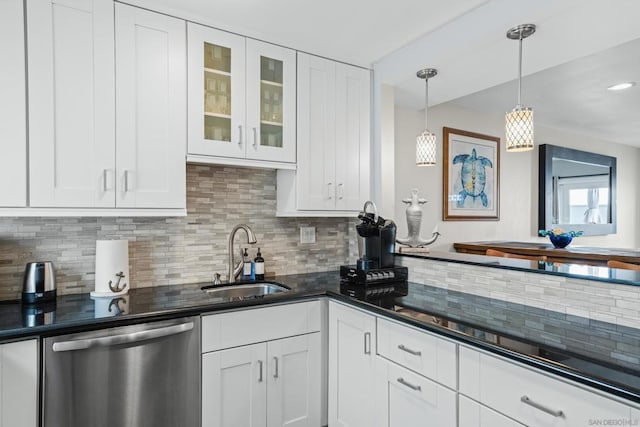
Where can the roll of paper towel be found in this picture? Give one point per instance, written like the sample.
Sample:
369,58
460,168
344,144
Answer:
112,268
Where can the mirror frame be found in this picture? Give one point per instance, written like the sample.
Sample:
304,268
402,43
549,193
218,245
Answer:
547,153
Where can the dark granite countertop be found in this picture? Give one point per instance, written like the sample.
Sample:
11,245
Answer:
592,352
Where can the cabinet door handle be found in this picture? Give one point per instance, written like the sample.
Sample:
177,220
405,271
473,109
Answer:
240,136
260,371
255,138
329,184
408,350
411,386
340,191
275,370
367,343
555,412
127,181
105,186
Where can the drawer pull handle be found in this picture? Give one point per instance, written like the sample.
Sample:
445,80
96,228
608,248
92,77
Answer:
260,371
555,413
411,386
408,350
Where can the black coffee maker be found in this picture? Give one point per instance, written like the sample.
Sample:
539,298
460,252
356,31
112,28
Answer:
376,239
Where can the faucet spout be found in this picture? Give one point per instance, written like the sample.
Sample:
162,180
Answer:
235,269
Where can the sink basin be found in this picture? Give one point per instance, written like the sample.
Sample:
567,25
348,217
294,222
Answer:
245,290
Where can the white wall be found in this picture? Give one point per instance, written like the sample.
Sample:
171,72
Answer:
518,181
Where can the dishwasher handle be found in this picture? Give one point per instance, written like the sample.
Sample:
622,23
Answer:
83,344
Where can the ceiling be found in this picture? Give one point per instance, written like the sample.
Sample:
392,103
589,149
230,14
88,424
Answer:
353,31
573,96
580,48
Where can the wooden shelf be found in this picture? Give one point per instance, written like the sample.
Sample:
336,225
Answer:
570,255
266,122
219,72
270,83
219,115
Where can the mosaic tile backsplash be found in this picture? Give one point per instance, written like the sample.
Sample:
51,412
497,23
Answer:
180,250
600,301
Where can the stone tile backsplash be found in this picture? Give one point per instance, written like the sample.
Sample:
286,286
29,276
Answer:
180,250
600,301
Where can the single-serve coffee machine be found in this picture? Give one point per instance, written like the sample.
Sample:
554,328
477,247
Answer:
375,274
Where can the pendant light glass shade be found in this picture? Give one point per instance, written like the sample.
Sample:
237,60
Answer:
519,121
426,141
426,149
519,129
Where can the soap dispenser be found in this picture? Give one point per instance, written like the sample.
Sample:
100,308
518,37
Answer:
259,261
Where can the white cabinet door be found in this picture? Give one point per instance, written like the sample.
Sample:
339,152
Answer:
316,187
352,137
404,398
271,102
216,92
19,384
293,392
71,103
473,414
234,387
13,117
151,109
352,347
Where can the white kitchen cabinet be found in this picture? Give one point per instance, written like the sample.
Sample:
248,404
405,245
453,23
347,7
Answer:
333,173
352,344
85,149
13,115
404,398
473,414
241,100
264,377
71,103
532,397
234,387
19,384
151,120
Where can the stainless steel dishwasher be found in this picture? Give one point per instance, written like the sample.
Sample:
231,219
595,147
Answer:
145,375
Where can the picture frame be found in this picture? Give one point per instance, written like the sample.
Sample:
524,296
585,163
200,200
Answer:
471,176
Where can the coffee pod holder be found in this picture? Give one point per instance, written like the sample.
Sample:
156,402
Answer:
112,268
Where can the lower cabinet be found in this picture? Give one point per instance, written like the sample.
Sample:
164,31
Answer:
406,399
19,384
473,414
276,383
352,354
532,397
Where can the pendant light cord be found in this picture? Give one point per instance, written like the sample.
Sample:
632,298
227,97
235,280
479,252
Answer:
426,103
520,74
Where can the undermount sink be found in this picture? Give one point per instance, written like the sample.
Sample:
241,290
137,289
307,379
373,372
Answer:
246,290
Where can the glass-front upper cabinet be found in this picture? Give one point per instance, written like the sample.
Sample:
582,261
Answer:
271,102
216,92
241,98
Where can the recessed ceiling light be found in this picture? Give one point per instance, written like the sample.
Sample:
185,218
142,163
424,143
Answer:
622,86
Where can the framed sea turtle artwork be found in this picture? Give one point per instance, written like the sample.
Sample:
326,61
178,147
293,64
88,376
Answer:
471,176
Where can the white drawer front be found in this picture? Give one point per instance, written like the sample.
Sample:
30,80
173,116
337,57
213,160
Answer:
422,352
473,414
532,397
249,326
406,399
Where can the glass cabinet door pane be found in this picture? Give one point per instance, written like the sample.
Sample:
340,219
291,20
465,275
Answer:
217,92
271,81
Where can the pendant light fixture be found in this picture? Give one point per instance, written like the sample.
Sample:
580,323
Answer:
426,141
519,121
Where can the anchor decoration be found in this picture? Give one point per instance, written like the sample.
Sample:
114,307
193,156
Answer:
414,219
116,288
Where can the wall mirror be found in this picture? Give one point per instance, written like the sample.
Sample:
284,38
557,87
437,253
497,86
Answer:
577,190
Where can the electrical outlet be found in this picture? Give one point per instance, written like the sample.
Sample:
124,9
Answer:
307,234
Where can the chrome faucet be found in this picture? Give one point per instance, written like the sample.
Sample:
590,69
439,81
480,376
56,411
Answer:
236,269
